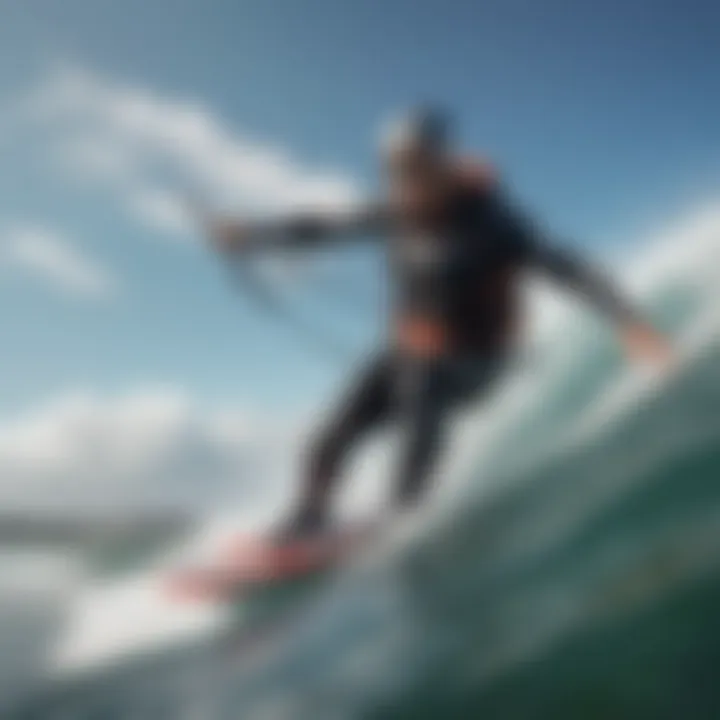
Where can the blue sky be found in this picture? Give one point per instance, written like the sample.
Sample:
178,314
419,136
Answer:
603,116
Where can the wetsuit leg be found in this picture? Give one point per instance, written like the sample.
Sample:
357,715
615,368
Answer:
366,405
422,401
429,392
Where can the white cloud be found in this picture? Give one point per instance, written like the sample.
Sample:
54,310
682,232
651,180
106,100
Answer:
148,448
47,255
152,148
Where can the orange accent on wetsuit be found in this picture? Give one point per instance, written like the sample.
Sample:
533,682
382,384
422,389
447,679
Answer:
422,336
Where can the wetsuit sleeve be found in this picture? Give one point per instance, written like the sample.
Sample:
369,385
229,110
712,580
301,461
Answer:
585,279
309,229
531,247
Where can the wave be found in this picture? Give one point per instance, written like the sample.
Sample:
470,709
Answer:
580,513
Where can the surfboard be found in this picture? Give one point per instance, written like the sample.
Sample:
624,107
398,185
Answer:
251,563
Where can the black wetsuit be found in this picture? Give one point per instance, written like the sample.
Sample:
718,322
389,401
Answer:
456,269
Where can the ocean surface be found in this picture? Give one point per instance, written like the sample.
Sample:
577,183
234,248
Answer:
571,569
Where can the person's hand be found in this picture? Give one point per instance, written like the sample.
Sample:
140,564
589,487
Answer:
646,345
226,235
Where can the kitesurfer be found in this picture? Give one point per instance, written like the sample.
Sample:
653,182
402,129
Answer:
457,249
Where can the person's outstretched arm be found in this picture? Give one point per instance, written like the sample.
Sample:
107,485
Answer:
296,230
641,340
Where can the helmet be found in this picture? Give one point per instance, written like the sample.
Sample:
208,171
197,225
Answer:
422,130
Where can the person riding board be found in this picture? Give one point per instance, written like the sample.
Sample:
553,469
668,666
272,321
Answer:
456,248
